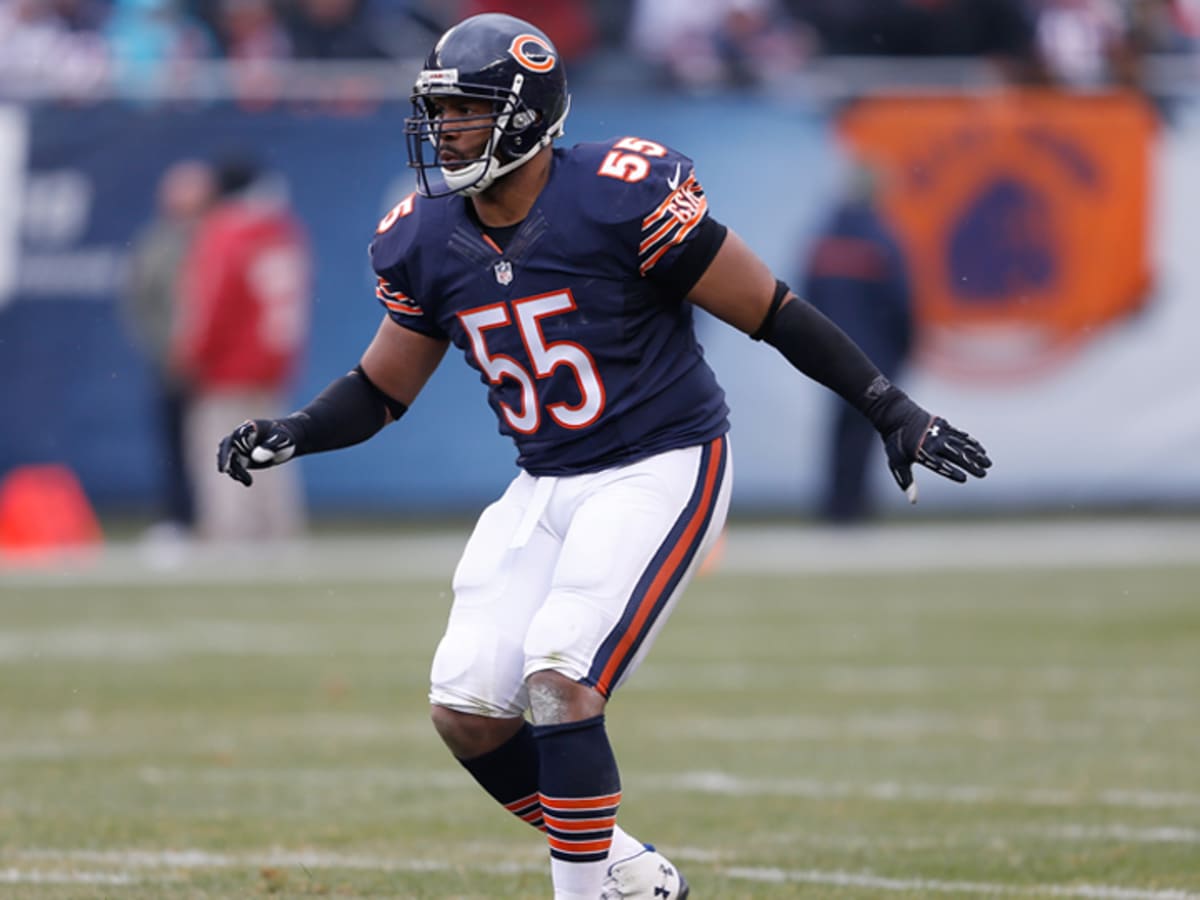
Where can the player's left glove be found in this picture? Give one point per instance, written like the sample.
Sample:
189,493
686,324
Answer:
912,435
255,444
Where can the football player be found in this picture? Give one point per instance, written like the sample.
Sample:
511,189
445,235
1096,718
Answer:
567,278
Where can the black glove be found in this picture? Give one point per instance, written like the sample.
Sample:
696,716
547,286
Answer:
912,435
255,444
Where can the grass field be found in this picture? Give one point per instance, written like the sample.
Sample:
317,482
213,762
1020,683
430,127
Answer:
1009,731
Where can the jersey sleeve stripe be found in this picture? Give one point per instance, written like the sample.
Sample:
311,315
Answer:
689,184
657,236
671,222
395,301
658,223
679,236
648,260
683,197
401,308
383,292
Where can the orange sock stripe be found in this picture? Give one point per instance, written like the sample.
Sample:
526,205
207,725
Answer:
601,846
596,824
564,804
517,805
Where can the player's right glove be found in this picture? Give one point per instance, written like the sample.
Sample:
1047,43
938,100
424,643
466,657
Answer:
255,444
912,435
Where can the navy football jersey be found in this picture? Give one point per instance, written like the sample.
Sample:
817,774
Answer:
590,358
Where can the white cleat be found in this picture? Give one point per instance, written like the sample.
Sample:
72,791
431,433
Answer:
647,875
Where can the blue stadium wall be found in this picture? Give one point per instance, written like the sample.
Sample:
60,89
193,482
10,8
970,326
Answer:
1105,428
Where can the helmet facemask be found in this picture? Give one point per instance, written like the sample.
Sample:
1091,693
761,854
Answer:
517,133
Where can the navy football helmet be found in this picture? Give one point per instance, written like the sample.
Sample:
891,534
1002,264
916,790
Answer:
500,59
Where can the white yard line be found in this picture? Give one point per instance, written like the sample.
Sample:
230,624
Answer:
902,726
137,643
1128,834
200,859
960,888
21,876
708,782
715,783
723,783
280,859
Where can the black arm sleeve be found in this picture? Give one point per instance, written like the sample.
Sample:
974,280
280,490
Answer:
347,412
694,259
816,346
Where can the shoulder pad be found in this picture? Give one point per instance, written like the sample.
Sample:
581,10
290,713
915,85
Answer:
627,178
397,232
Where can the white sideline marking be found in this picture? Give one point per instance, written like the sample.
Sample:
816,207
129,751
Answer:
778,550
726,784
17,876
879,883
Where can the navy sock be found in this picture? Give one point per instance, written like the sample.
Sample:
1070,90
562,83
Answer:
580,789
510,774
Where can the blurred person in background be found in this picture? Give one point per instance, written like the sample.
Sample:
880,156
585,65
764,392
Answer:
1087,43
999,31
254,37
154,44
707,44
250,31
856,275
244,325
568,279
404,28
82,15
150,307
570,24
42,50
333,29
1165,26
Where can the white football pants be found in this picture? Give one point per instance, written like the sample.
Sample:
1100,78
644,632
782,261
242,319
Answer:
577,574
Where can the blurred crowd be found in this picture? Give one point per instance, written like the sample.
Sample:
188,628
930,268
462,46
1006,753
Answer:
139,45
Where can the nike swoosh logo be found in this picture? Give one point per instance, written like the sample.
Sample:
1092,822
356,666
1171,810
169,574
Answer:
673,181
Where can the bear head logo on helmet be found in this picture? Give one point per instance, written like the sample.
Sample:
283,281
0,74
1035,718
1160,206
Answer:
505,62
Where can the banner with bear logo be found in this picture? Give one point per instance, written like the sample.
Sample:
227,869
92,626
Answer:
1025,216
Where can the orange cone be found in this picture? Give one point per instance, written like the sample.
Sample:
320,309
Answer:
44,512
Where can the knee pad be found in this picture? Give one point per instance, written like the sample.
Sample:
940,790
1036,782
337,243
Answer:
476,671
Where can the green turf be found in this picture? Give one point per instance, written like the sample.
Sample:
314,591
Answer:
849,737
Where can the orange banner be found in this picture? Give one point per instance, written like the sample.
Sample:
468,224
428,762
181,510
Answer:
1025,217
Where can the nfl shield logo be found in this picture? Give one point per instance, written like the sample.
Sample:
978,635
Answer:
503,270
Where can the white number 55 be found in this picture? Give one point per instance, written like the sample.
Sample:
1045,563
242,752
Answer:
544,357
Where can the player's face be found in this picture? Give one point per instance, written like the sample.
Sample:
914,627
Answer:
463,128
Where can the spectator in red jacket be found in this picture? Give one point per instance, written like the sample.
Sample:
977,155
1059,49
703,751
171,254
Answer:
245,287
